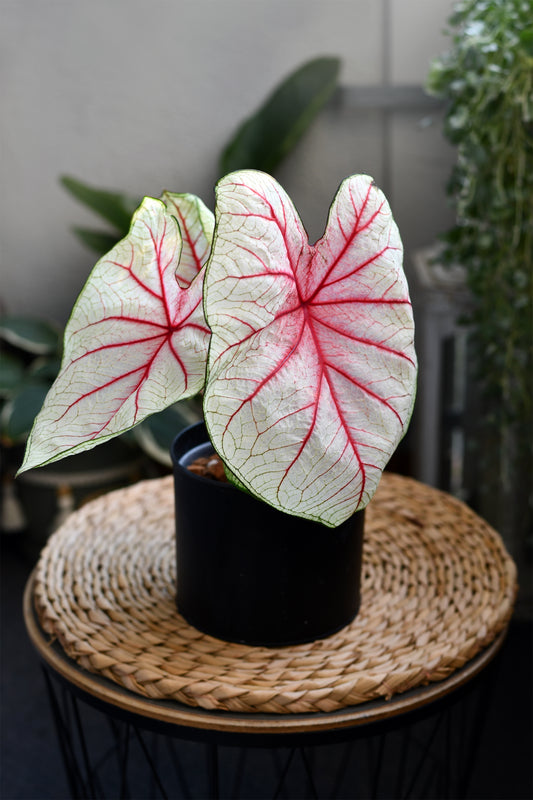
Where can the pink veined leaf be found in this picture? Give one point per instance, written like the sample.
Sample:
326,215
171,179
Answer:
136,341
196,224
312,368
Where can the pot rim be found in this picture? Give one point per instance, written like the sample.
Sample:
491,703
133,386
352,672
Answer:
176,462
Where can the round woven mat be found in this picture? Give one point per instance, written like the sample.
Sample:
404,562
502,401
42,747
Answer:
438,586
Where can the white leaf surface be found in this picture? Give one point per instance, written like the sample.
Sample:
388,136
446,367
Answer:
312,368
136,341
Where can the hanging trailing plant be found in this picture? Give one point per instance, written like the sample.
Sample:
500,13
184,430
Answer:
487,79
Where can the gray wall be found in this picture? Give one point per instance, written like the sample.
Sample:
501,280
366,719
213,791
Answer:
141,96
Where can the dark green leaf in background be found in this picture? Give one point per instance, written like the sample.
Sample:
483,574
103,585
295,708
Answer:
97,241
115,207
44,369
12,371
30,334
267,136
156,433
19,413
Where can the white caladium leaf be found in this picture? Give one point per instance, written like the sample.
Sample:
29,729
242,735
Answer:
136,341
312,368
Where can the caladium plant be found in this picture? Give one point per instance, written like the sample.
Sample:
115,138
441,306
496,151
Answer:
305,353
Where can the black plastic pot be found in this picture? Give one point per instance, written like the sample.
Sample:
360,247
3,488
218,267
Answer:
249,573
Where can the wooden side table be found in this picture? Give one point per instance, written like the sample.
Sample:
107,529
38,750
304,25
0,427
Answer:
438,591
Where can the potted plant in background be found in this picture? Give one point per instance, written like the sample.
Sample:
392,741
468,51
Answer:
30,360
486,78
31,348
262,141
304,354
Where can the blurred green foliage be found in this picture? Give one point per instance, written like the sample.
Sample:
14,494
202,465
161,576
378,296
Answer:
486,78
261,142
30,358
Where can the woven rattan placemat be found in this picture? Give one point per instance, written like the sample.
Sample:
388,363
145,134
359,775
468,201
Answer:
438,587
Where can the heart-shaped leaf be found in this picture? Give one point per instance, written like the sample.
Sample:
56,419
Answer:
312,368
137,340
